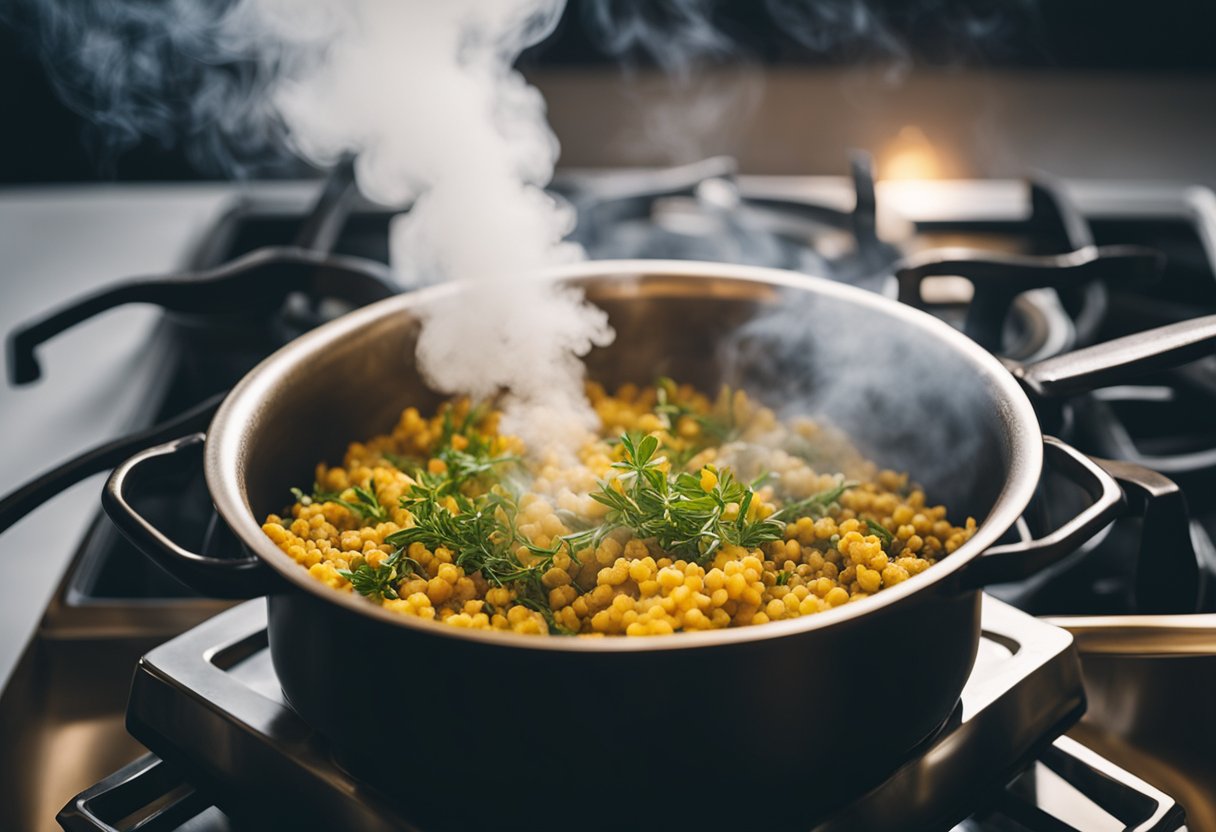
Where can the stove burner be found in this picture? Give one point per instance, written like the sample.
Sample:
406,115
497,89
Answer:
209,703
699,212
1057,218
1026,305
1067,264
1158,426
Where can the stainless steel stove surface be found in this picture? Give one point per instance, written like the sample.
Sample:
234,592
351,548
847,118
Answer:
1029,269
210,704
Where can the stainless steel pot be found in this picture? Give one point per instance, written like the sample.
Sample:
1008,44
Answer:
775,724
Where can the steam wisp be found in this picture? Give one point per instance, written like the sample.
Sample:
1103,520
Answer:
425,94
710,80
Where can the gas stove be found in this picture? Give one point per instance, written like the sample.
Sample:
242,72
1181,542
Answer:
1029,269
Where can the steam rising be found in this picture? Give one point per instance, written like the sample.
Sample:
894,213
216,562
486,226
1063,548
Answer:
709,86
907,402
425,94
683,36
170,72
679,35
824,25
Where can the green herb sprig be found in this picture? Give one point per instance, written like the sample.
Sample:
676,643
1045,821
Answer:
381,581
880,531
717,427
366,504
482,536
816,505
679,512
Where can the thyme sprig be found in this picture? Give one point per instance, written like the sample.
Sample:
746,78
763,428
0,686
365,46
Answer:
879,530
816,505
467,454
685,514
890,543
366,504
381,581
717,426
480,533
457,507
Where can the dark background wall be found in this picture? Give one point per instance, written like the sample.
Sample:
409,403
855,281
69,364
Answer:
1076,53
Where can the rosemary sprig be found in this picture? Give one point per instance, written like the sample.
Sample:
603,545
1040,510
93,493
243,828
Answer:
467,427
465,461
368,504
477,538
458,508
890,543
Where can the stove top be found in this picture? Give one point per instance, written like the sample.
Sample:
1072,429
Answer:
1082,257
235,755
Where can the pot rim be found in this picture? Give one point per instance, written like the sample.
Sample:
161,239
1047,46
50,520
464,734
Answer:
226,445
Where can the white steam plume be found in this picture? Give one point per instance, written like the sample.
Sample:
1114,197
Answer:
424,93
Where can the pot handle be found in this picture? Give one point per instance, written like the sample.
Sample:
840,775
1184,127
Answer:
16,505
1114,361
1015,561
244,577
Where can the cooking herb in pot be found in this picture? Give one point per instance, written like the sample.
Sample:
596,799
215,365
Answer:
363,502
685,514
380,582
682,514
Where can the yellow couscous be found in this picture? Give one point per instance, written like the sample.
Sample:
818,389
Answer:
682,513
